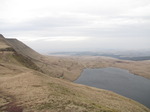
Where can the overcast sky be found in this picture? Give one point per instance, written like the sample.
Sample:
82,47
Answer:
77,25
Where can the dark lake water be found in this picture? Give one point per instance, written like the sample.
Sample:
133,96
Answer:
119,81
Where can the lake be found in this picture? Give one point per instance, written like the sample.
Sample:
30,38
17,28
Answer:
119,81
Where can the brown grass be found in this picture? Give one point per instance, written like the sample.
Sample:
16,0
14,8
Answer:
70,68
37,92
28,90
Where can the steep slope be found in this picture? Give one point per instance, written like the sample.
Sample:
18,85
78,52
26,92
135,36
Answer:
3,44
53,66
23,49
23,89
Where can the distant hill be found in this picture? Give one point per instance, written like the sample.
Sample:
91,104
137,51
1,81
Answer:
31,82
123,56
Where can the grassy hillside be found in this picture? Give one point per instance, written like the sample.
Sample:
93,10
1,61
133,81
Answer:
26,85
25,89
69,67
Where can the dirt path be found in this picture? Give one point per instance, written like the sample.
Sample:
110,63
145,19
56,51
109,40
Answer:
8,103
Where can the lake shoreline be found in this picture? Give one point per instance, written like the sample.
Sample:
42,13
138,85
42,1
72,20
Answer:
134,82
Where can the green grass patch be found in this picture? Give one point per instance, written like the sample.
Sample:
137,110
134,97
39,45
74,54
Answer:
61,89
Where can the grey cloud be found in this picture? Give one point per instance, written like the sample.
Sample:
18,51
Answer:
47,24
99,19
67,26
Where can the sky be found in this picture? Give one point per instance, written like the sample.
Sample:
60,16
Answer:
77,25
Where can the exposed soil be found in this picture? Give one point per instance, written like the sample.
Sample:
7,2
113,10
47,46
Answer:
10,104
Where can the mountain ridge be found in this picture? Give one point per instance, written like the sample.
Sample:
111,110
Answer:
64,66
